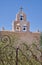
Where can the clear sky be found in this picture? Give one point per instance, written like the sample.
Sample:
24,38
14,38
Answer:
32,8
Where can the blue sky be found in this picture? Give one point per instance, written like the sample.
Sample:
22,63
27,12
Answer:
32,9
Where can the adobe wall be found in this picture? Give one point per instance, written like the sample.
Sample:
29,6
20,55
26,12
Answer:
28,37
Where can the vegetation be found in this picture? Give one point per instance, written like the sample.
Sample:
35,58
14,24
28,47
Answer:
24,54
41,40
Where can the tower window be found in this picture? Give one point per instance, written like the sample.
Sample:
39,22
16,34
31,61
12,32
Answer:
21,17
24,28
17,28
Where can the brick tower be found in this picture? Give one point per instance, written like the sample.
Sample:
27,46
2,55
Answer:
20,24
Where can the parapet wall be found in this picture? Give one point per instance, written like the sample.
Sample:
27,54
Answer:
28,37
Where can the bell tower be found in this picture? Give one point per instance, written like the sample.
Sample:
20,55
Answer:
21,15
21,24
